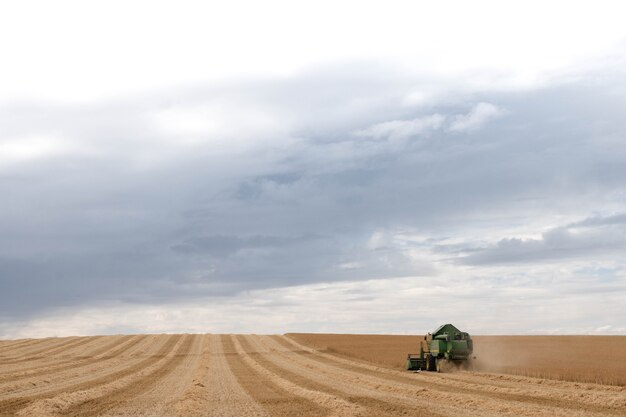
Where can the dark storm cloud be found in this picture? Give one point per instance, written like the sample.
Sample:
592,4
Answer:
292,186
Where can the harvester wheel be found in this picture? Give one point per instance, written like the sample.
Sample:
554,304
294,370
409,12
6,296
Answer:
431,363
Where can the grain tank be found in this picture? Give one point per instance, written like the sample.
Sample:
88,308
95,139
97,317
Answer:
445,346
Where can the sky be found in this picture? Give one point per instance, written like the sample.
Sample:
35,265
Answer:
348,167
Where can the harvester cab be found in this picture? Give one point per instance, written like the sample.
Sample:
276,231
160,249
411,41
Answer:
445,346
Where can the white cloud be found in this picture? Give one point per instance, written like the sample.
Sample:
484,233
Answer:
398,131
228,120
380,239
185,121
402,129
350,265
35,147
476,118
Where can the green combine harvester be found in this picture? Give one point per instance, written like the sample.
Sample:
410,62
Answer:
445,346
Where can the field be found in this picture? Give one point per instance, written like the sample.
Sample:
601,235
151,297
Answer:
301,375
598,359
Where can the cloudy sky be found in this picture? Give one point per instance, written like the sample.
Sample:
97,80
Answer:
334,167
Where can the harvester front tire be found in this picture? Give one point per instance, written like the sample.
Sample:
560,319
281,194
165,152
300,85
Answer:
431,364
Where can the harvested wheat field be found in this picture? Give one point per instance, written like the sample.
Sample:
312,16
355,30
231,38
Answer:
597,359
250,375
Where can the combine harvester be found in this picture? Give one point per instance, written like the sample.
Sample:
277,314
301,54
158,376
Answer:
444,347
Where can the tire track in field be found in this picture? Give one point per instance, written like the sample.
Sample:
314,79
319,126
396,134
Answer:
401,387
223,395
111,400
9,407
611,400
114,348
10,346
215,390
194,396
36,349
15,370
585,393
76,374
8,343
170,388
49,402
339,406
71,346
481,398
27,344
415,394
131,340
475,400
50,351
276,400
373,402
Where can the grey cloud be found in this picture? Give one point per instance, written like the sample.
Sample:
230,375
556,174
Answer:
616,219
221,246
286,193
600,237
402,129
479,115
